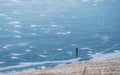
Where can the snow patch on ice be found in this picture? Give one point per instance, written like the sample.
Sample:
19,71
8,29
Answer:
22,44
16,12
15,54
28,50
59,49
14,22
64,33
33,34
86,48
42,56
54,25
70,53
16,31
7,46
13,57
2,62
17,36
84,0
34,26
16,1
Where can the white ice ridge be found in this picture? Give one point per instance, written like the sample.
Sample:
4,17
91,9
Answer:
64,33
26,64
22,44
2,15
116,45
15,0
93,0
42,56
101,56
59,49
15,54
86,48
17,36
84,0
7,46
2,62
14,22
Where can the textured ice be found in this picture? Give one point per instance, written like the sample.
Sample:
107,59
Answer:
43,67
17,26
70,53
112,47
90,52
105,38
43,14
16,31
34,25
16,12
25,64
33,34
1,28
73,45
84,0
54,25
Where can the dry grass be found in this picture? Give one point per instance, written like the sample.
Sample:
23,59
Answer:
108,67
41,74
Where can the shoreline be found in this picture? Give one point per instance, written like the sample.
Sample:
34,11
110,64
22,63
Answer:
102,67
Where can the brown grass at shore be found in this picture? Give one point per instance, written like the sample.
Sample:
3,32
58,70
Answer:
41,74
108,67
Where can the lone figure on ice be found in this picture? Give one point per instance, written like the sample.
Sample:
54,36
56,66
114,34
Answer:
76,52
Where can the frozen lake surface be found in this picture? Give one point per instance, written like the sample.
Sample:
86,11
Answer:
37,34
